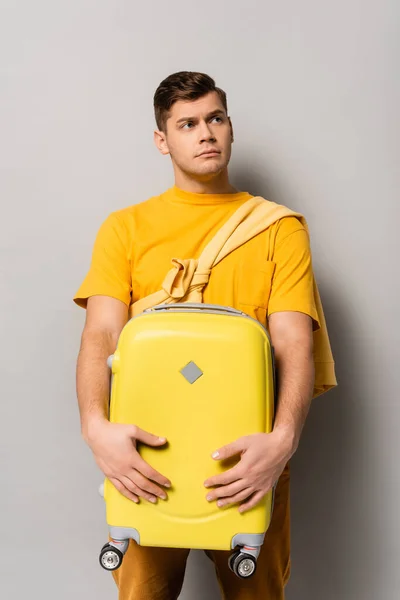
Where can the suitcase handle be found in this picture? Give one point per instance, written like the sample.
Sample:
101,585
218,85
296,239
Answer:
195,305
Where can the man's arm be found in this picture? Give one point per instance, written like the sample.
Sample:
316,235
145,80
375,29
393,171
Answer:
264,456
292,338
105,318
113,444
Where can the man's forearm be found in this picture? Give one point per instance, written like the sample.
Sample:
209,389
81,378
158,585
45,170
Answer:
295,376
93,378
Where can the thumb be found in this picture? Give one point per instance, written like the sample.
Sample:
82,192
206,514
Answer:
147,438
229,450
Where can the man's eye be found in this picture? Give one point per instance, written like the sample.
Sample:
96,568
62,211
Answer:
191,122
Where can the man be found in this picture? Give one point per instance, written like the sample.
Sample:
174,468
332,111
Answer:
131,256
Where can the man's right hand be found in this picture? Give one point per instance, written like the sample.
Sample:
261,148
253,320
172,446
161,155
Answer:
114,449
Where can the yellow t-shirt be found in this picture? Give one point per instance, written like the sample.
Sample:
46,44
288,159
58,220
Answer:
134,246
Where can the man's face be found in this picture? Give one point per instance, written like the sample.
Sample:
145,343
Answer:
195,127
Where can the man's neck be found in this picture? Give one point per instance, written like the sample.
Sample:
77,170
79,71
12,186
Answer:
218,185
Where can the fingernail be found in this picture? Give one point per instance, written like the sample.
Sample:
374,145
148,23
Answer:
206,485
163,496
215,454
153,500
220,503
167,485
209,497
162,439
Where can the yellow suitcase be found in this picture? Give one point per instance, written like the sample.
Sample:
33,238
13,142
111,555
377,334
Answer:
203,375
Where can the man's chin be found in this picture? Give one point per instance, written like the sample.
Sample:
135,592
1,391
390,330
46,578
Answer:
211,168
205,172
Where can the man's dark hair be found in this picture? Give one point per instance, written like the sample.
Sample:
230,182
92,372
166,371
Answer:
184,85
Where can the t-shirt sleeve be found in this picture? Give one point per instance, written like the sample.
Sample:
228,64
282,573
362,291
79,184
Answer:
292,286
110,268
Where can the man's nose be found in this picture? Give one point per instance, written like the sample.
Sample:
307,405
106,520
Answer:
206,134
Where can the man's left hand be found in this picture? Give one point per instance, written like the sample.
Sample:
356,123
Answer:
263,459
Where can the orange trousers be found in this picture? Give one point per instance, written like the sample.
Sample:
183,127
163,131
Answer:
152,573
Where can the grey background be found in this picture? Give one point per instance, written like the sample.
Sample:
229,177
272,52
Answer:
313,92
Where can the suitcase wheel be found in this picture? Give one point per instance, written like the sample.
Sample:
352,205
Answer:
242,564
110,557
232,558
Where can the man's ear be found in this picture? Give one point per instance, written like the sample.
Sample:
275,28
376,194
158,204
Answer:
160,141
